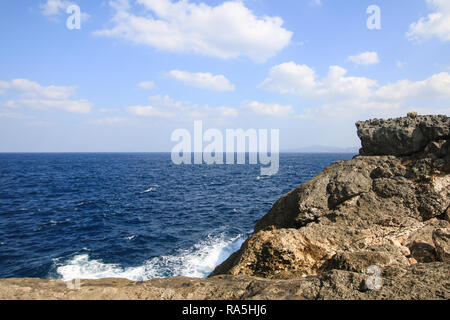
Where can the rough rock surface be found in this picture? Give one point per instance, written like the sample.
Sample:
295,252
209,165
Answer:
387,210
421,281
404,136
390,209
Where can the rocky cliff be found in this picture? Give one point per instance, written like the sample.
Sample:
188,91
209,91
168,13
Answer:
374,227
389,206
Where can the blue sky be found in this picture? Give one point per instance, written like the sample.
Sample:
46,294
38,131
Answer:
139,69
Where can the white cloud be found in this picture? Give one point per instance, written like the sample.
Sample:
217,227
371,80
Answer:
202,80
9,104
80,106
270,109
436,24
146,85
108,110
301,80
167,102
166,107
228,30
227,112
149,111
56,7
111,121
435,87
31,94
338,94
290,78
365,58
11,115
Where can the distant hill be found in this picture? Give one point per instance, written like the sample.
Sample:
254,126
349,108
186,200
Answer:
323,149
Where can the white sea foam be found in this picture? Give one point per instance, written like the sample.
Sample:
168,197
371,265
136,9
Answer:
197,261
151,189
81,267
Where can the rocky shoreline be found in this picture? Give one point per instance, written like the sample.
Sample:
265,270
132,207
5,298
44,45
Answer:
374,227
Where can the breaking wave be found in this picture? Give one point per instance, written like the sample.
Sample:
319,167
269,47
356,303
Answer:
197,261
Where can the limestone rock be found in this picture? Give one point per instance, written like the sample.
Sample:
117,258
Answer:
361,260
421,243
270,254
421,281
387,207
401,136
441,239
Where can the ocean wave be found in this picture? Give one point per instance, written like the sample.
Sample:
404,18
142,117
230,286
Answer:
197,262
152,188
81,267
51,223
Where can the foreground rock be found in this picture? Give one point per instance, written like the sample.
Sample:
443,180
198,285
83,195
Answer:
389,209
374,227
421,281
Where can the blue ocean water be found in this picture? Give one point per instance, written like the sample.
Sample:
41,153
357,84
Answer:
136,216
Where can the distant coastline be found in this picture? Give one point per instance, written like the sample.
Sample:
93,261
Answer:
322,149
312,149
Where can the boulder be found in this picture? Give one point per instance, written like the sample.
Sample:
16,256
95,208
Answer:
402,136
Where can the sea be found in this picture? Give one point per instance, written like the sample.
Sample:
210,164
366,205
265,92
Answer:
133,215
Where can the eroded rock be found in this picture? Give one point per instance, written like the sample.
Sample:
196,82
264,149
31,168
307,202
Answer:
387,207
441,239
421,281
402,136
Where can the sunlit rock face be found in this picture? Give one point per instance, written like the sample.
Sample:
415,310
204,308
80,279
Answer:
388,207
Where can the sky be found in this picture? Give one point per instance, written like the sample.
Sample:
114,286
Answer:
136,70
